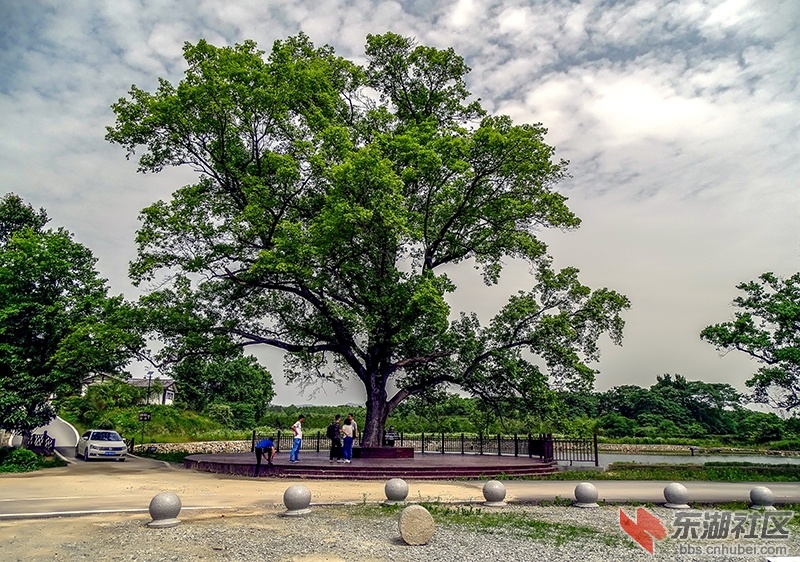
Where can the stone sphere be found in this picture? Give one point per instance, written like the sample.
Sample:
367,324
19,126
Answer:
676,495
495,493
164,509
586,495
297,498
396,491
416,525
762,497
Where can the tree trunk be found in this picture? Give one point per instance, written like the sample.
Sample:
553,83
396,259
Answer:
377,412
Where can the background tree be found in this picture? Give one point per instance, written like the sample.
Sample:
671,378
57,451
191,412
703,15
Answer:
92,409
241,384
57,322
324,222
768,329
673,401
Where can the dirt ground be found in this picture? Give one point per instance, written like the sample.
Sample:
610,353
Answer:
121,492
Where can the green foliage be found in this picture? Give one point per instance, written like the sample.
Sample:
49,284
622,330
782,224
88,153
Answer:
616,425
169,424
677,400
768,329
761,427
20,460
16,216
25,460
234,391
91,410
322,223
4,452
220,413
176,457
57,323
786,445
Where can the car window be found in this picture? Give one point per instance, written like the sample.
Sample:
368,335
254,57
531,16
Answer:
86,435
106,436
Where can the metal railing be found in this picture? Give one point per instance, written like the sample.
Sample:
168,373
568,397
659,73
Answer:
543,446
40,442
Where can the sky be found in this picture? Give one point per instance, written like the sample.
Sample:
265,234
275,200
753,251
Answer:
680,119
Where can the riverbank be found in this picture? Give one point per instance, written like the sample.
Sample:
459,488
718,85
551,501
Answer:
688,450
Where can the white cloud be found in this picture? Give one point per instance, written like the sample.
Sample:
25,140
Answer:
679,118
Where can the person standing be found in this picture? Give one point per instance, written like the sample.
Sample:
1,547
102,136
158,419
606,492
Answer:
355,426
391,436
334,434
297,428
347,431
265,446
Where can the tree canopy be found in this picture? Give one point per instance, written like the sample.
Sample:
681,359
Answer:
57,322
332,200
767,328
240,384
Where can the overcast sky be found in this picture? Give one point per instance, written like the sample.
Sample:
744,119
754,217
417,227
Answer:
680,120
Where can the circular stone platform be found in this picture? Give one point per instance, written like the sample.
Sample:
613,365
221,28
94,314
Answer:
427,466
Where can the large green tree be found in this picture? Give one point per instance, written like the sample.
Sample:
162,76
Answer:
331,203
57,322
767,328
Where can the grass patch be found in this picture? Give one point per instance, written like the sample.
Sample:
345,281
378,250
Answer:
176,457
168,424
24,460
520,524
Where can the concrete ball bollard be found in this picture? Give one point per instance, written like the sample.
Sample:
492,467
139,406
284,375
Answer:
297,498
396,491
495,494
164,510
416,525
676,495
762,497
586,495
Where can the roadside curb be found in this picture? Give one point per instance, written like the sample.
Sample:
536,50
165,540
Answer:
80,513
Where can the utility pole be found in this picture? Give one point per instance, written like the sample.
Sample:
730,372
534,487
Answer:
145,416
149,380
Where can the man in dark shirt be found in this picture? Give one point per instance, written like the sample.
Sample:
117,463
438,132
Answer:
265,446
334,433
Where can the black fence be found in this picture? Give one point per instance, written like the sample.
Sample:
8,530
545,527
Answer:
39,442
542,446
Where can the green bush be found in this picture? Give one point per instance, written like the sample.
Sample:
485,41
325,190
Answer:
21,460
220,413
786,445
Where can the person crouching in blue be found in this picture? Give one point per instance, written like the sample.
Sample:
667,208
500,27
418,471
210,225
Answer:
264,447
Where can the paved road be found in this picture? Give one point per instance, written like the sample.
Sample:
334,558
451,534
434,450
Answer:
65,435
129,486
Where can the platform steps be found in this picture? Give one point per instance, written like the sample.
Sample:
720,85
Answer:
346,472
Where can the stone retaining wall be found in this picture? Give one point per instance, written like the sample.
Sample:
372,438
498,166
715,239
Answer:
198,447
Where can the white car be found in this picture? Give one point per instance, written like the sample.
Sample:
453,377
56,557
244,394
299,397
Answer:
101,444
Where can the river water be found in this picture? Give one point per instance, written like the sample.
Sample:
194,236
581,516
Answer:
657,458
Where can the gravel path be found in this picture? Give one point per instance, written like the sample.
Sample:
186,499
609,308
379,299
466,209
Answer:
340,533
